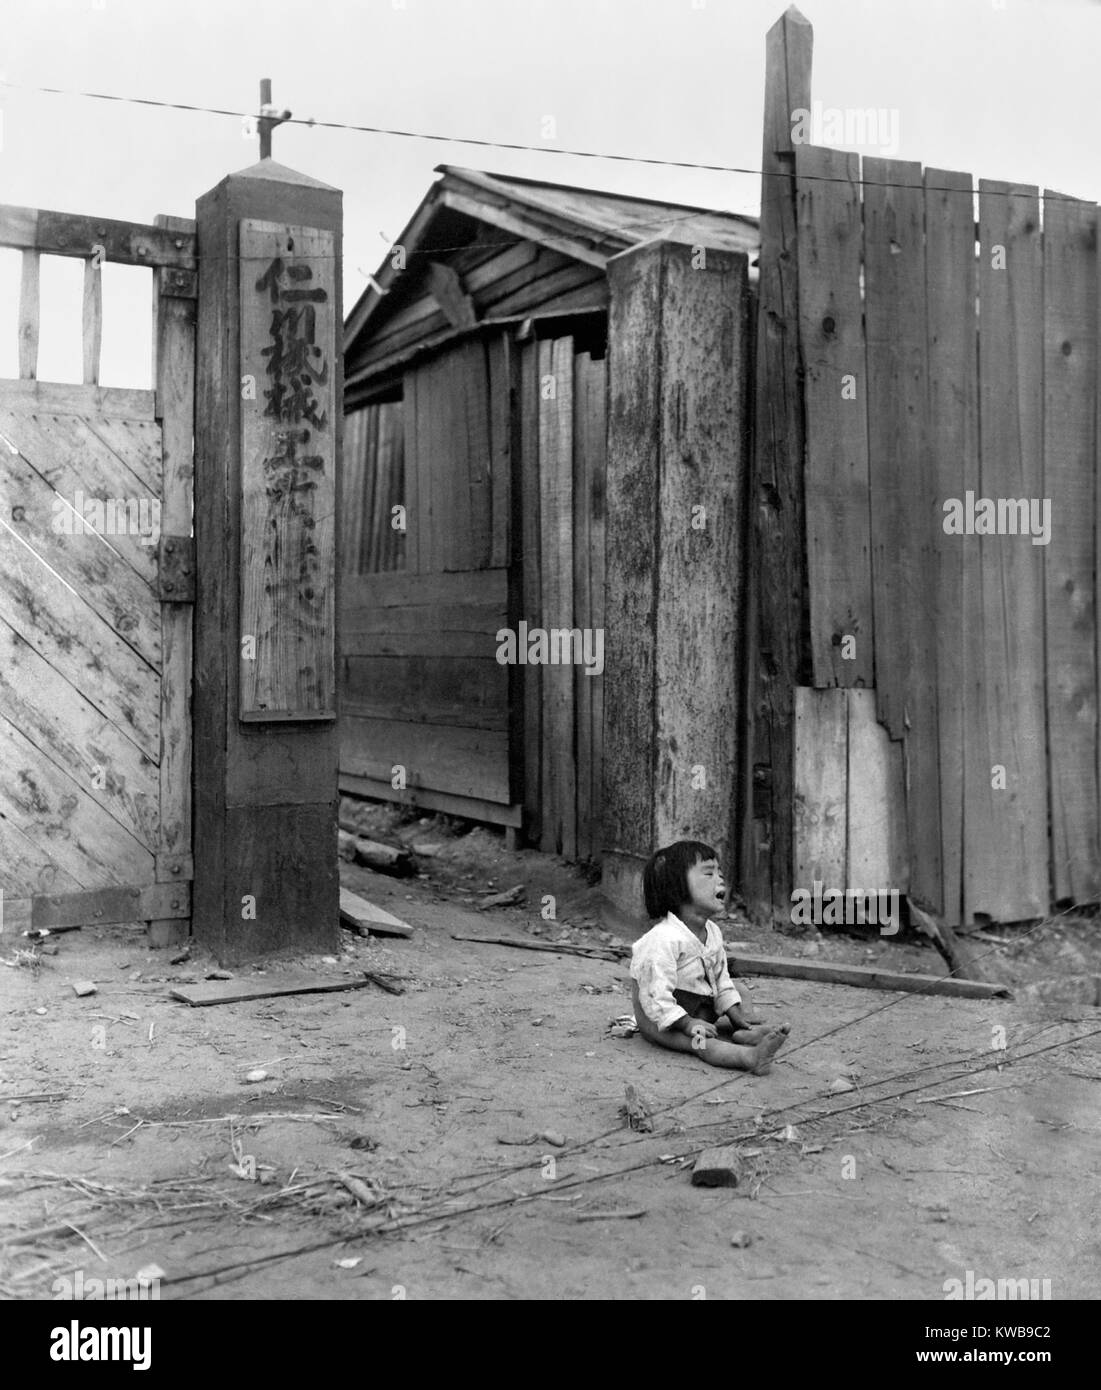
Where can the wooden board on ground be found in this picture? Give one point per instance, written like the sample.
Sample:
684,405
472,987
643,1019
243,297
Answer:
861,976
201,996
563,948
366,917
719,1167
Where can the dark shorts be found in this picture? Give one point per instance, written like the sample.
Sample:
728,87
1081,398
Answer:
700,1006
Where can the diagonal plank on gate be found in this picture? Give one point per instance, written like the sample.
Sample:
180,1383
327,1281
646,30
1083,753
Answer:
54,809
125,602
1070,482
1005,851
61,627
137,443
79,467
953,444
81,741
27,868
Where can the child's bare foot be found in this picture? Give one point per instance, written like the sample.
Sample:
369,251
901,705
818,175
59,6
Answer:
768,1047
749,1037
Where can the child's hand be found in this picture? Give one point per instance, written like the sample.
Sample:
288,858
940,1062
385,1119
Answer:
699,1031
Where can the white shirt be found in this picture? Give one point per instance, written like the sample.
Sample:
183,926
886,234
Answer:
671,957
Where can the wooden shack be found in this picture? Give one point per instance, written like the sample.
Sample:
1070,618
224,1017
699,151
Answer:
473,499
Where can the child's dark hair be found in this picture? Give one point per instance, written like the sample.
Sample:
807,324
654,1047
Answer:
665,878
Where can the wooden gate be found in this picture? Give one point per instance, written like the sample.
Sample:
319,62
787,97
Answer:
96,593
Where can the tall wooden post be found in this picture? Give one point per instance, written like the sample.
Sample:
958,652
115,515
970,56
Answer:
777,539
676,485
267,451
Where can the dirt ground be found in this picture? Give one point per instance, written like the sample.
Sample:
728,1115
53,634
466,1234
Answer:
895,1145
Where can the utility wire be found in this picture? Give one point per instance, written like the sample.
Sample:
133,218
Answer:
312,122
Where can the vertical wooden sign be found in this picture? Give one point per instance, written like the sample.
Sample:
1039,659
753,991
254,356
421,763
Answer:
288,463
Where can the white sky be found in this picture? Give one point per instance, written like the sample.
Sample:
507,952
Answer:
1001,88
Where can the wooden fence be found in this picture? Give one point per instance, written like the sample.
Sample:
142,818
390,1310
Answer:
926,528
951,389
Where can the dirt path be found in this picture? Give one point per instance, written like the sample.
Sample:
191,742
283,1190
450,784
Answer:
887,1199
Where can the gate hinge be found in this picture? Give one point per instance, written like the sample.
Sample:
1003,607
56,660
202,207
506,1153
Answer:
176,569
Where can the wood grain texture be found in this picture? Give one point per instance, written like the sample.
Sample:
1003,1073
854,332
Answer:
79,644
777,565
905,510
68,454
174,379
588,404
636,280
52,806
289,460
556,511
531,597
701,504
80,740
88,401
831,332
876,854
92,322
1006,847
952,327
462,761
77,234
821,787
1070,367
92,570
29,316
470,808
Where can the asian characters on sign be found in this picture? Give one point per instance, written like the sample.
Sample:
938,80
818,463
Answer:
295,366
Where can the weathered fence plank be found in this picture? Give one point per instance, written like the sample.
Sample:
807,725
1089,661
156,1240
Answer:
831,332
821,786
1005,798
903,500
92,321
556,508
877,852
531,608
777,566
952,328
701,521
29,316
1070,483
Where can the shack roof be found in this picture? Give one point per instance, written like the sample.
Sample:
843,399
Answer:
585,224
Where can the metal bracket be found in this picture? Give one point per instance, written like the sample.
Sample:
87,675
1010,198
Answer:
177,284
175,868
176,569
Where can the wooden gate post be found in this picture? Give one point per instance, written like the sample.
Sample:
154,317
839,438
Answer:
267,450
677,475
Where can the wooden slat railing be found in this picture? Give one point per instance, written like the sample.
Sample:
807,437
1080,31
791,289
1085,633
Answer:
170,251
